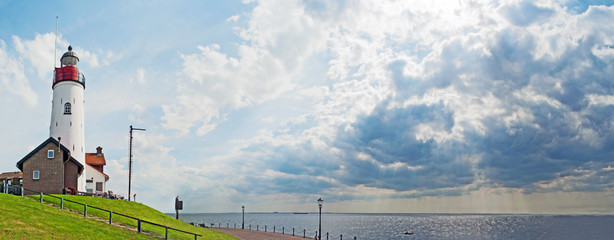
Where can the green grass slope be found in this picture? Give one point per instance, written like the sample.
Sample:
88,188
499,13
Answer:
138,210
22,218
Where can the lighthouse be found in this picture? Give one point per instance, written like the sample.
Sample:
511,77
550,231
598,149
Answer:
67,118
60,164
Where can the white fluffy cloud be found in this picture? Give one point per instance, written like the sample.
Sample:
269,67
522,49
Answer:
39,52
279,38
13,78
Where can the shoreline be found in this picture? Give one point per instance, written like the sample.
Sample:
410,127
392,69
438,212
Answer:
246,234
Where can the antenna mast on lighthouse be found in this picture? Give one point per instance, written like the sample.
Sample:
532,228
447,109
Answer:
55,45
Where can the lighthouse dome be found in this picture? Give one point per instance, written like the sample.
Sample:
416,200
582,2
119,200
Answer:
69,58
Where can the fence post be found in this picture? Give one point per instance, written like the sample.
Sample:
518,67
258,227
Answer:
326,235
250,227
273,228
283,230
264,228
61,203
41,200
292,231
235,225
226,225
166,232
139,227
354,237
21,191
110,217
303,233
85,210
341,237
257,227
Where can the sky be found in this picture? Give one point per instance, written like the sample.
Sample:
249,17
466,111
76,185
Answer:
468,106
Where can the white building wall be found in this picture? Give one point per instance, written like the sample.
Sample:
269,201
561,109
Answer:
96,176
70,127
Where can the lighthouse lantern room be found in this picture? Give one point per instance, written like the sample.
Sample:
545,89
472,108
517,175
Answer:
67,111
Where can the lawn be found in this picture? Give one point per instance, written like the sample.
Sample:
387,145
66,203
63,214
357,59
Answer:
137,210
23,218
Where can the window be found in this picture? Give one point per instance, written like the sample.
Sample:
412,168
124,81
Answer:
35,175
50,154
89,185
67,108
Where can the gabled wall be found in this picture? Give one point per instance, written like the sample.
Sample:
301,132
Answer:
51,171
97,178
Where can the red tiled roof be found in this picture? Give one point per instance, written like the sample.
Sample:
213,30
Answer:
95,159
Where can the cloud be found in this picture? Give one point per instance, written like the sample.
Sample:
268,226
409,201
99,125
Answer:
233,18
278,39
140,75
525,13
96,60
409,101
13,78
453,111
580,6
39,52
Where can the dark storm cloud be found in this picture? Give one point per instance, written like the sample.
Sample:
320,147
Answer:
388,136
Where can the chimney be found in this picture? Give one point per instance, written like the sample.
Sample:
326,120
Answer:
98,150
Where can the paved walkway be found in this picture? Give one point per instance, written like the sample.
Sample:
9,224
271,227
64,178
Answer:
245,234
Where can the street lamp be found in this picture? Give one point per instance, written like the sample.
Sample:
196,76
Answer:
320,201
130,161
243,222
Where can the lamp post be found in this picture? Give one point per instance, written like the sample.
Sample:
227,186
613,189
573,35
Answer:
130,161
320,201
243,222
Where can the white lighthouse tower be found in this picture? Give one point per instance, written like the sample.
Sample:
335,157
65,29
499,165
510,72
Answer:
67,118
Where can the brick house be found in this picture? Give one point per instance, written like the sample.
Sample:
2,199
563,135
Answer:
49,168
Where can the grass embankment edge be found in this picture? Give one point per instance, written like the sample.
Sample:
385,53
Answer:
137,210
26,219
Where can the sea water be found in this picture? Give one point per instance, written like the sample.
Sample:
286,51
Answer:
423,226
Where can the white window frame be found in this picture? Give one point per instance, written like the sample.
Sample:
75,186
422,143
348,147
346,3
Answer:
36,175
50,154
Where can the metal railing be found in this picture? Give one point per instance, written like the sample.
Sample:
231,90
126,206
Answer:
275,230
111,213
